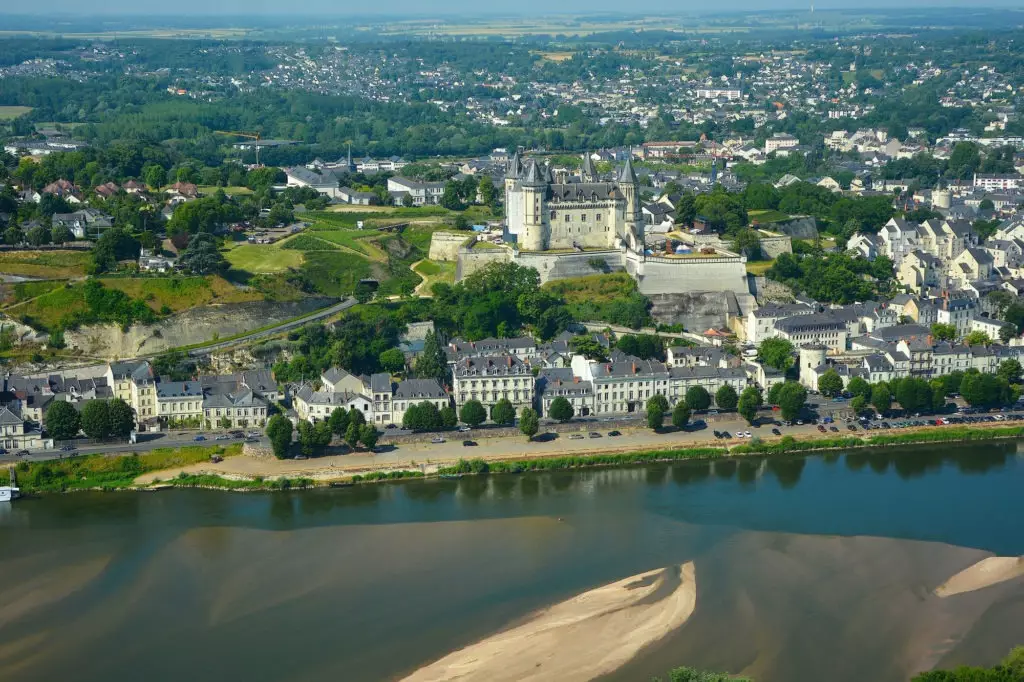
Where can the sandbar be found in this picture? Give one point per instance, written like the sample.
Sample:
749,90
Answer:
582,638
987,572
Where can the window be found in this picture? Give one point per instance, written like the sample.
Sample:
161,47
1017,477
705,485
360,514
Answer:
568,218
583,217
597,217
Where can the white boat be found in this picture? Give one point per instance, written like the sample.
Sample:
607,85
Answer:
7,493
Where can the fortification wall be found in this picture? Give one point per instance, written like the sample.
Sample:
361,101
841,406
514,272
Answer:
774,246
444,246
553,266
471,260
800,227
672,276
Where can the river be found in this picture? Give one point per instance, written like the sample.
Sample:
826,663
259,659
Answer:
806,569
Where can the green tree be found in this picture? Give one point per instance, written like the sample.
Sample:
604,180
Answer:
503,413
529,423
352,434
306,437
368,436
96,419
423,416
698,398
681,415
776,352
914,394
773,393
392,360
881,397
202,256
13,235
279,431
473,413
60,234
792,397
432,362
322,435
449,419
749,403
858,404
859,387
38,236
561,410
62,420
122,418
830,384
587,346
1010,370
977,338
338,421
356,417
726,398
944,332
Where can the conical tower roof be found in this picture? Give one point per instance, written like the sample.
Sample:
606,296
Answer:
626,173
515,167
547,176
587,171
532,175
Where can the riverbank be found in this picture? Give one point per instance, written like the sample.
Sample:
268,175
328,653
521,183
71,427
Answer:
191,466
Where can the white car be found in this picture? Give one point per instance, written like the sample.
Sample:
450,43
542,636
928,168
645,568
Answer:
746,434
739,434
463,429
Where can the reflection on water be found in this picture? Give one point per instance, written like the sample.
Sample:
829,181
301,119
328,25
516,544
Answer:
248,585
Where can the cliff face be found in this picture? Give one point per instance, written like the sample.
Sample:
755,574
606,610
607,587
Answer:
198,325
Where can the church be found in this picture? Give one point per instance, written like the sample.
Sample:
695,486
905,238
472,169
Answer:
545,211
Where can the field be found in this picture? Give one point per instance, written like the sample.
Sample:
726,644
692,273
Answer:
760,267
593,288
23,291
262,258
432,273
335,273
767,216
9,113
230,191
308,242
44,264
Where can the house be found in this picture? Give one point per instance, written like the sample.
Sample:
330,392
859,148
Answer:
314,406
488,379
15,436
325,183
154,262
180,403
64,189
84,223
235,410
413,392
422,193
107,190
971,265
184,191
337,380
817,328
779,141
351,196
562,383
920,271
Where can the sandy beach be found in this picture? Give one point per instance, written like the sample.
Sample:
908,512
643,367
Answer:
985,573
580,639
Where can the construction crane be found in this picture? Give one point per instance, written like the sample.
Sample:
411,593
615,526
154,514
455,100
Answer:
251,136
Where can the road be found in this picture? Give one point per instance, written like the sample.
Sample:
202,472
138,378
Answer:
276,329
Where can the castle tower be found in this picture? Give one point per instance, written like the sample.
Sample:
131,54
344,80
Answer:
812,356
532,185
513,210
634,219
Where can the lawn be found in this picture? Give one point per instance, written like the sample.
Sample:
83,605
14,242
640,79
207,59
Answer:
602,288
433,272
767,216
230,191
9,113
359,241
262,258
335,273
44,264
46,311
308,242
23,291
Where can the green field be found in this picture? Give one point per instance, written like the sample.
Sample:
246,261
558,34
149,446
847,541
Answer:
230,191
23,291
760,267
9,113
335,273
44,264
308,242
432,273
262,258
604,288
767,216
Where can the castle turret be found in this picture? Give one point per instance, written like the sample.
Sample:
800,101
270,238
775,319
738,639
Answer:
634,219
812,356
513,211
587,171
532,185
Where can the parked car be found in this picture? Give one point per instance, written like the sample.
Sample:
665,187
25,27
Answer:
223,437
576,436
463,429
216,459
776,432
22,453
199,438
595,434
614,433
437,439
67,448
301,457
469,443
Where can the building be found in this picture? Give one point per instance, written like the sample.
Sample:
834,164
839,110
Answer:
780,141
180,403
996,182
422,193
760,324
560,382
818,328
351,196
241,409
573,213
314,406
337,380
413,392
489,379
85,223
325,183
15,436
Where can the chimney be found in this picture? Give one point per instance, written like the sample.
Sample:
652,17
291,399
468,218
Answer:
634,368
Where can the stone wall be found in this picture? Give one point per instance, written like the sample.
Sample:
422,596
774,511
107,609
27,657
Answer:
772,246
697,311
552,266
198,325
799,227
671,276
444,246
472,259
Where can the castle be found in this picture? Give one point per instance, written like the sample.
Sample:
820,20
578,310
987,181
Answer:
572,212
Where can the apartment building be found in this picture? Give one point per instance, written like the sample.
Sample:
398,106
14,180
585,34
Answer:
489,379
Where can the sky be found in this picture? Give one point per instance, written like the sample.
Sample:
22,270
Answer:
335,8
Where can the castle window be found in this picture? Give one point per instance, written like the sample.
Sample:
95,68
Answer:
553,215
568,218
597,217
583,217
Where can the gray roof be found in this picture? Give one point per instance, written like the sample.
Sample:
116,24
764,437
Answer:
380,383
813,321
9,418
419,388
495,365
245,398
179,389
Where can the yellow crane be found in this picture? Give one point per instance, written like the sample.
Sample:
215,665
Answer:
251,136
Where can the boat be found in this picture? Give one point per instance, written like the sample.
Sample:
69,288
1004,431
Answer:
8,493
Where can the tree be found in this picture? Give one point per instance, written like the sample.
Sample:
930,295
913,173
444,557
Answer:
392,360
96,419
202,256
773,393
561,410
322,435
279,431
306,437
587,346
655,414
13,235
698,398
423,416
529,423
726,398
368,436
60,234
503,413
985,390
473,413
792,397
338,421
914,394
977,338
776,352
352,435
681,415
944,332
830,384
432,362
749,403
449,419
38,236
747,242
155,176
858,404
62,420
881,397
859,387
122,418
356,417
1010,370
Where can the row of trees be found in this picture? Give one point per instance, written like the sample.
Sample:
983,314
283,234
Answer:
349,425
98,419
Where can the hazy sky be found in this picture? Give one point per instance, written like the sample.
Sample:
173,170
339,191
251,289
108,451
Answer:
335,8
